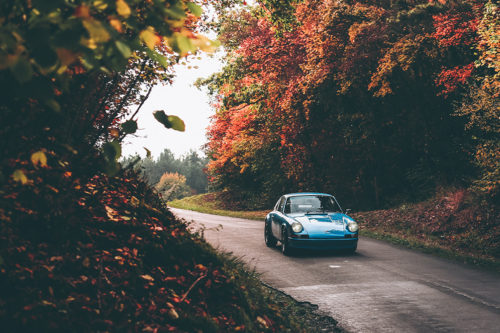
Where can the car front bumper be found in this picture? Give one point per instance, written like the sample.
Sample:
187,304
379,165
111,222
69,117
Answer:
323,244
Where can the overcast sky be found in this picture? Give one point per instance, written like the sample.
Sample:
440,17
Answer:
182,99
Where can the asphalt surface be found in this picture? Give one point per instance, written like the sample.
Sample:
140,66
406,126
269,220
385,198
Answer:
381,288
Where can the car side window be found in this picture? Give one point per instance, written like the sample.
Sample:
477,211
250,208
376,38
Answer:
277,206
287,206
280,204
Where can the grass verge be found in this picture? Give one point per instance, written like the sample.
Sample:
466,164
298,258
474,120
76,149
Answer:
209,204
418,245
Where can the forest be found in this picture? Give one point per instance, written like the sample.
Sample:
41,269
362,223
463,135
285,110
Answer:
173,178
379,102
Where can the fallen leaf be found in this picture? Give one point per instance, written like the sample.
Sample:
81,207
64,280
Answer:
147,277
86,262
39,158
20,177
173,314
262,322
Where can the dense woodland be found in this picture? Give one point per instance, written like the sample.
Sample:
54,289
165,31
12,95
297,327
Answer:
378,102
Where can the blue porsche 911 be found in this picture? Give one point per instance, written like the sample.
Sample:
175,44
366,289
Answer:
310,221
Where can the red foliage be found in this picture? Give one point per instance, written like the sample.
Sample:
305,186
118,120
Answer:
451,79
457,28
111,257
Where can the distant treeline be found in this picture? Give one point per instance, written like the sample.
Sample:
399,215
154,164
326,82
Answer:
174,177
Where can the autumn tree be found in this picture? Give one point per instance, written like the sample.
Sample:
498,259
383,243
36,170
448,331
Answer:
355,98
480,105
172,186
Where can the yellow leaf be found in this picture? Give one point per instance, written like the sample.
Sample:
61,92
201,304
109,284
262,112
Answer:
97,32
39,158
101,5
204,44
122,8
19,176
149,37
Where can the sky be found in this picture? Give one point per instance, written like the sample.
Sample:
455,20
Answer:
182,99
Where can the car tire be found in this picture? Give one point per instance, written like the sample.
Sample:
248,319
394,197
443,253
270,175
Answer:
268,236
285,247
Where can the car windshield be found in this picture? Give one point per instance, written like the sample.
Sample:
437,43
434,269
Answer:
311,204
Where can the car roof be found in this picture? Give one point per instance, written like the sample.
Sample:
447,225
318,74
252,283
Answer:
305,193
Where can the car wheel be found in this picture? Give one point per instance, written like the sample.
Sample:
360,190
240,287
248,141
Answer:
285,247
268,236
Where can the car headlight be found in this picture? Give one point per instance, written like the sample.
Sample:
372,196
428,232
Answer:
297,227
352,226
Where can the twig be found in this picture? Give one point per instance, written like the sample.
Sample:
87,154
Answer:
142,102
194,283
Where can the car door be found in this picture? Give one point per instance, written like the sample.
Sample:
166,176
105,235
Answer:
277,218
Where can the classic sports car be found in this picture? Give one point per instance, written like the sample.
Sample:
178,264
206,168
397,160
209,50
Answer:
310,221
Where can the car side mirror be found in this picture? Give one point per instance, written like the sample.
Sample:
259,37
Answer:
348,210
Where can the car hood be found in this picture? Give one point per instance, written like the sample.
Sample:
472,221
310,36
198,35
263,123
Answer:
327,225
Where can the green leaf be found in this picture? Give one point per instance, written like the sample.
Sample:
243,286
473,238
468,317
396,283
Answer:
182,44
48,6
172,122
129,127
177,123
112,150
194,8
53,105
162,60
112,168
22,70
175,12
123,48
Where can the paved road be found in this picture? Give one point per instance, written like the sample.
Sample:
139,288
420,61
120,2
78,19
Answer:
381,288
